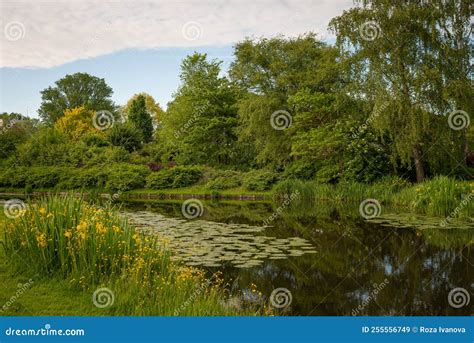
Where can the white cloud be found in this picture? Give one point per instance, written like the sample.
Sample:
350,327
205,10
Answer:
45,34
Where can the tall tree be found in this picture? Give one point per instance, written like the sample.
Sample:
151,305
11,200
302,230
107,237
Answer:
293,79
72,91
152,106
199,125
409,54
139,116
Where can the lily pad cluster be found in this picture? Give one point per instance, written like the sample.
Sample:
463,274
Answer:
212,244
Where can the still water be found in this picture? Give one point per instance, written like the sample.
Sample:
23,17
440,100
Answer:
331,260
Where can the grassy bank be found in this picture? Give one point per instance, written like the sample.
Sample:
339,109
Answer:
69,245
440,196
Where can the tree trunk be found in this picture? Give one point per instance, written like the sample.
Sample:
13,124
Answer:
420,172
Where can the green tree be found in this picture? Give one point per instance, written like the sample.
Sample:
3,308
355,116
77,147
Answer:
139,116
412,55
297,79
76,90
152,107
14,130
199,125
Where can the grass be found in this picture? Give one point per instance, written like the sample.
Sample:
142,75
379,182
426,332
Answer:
67,246
441,196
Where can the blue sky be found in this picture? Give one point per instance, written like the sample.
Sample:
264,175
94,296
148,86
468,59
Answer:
136,46
155,72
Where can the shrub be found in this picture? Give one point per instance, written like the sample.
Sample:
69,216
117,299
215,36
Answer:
124,177
259,180
176,177
224,179
126,136
44,177
13,177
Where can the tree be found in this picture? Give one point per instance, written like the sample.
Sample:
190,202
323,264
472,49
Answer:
199,125
152,107
125,135
411,55
139,116
14,130
76,90
76,122
296,79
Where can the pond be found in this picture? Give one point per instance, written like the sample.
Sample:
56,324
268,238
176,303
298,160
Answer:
325,260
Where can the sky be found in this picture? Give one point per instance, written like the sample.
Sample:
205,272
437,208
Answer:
136,46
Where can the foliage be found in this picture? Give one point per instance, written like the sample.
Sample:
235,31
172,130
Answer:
72,91
259,180
127,136
199,124
138,115
153,108
124,177
14,130
76,122
176,177
224,179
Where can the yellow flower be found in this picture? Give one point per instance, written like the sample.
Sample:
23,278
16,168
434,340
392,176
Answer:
50,215
137,239
100,228
42,211
68,234
41,240
116,229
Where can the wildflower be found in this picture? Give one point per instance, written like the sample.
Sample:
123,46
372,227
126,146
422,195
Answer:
68,234
41,240
42,211
136,237
100,228
50,215
116,229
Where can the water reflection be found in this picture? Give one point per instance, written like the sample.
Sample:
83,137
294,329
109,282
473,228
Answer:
361,268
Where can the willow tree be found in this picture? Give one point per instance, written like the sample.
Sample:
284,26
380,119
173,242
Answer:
412,56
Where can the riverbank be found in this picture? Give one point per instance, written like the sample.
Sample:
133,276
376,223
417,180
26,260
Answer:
104,266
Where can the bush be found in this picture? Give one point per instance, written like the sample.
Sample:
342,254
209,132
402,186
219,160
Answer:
124,177
176,177
13,177
44,177
126,136
224,179
259,180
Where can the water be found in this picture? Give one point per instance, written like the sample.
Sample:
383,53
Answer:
345,265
